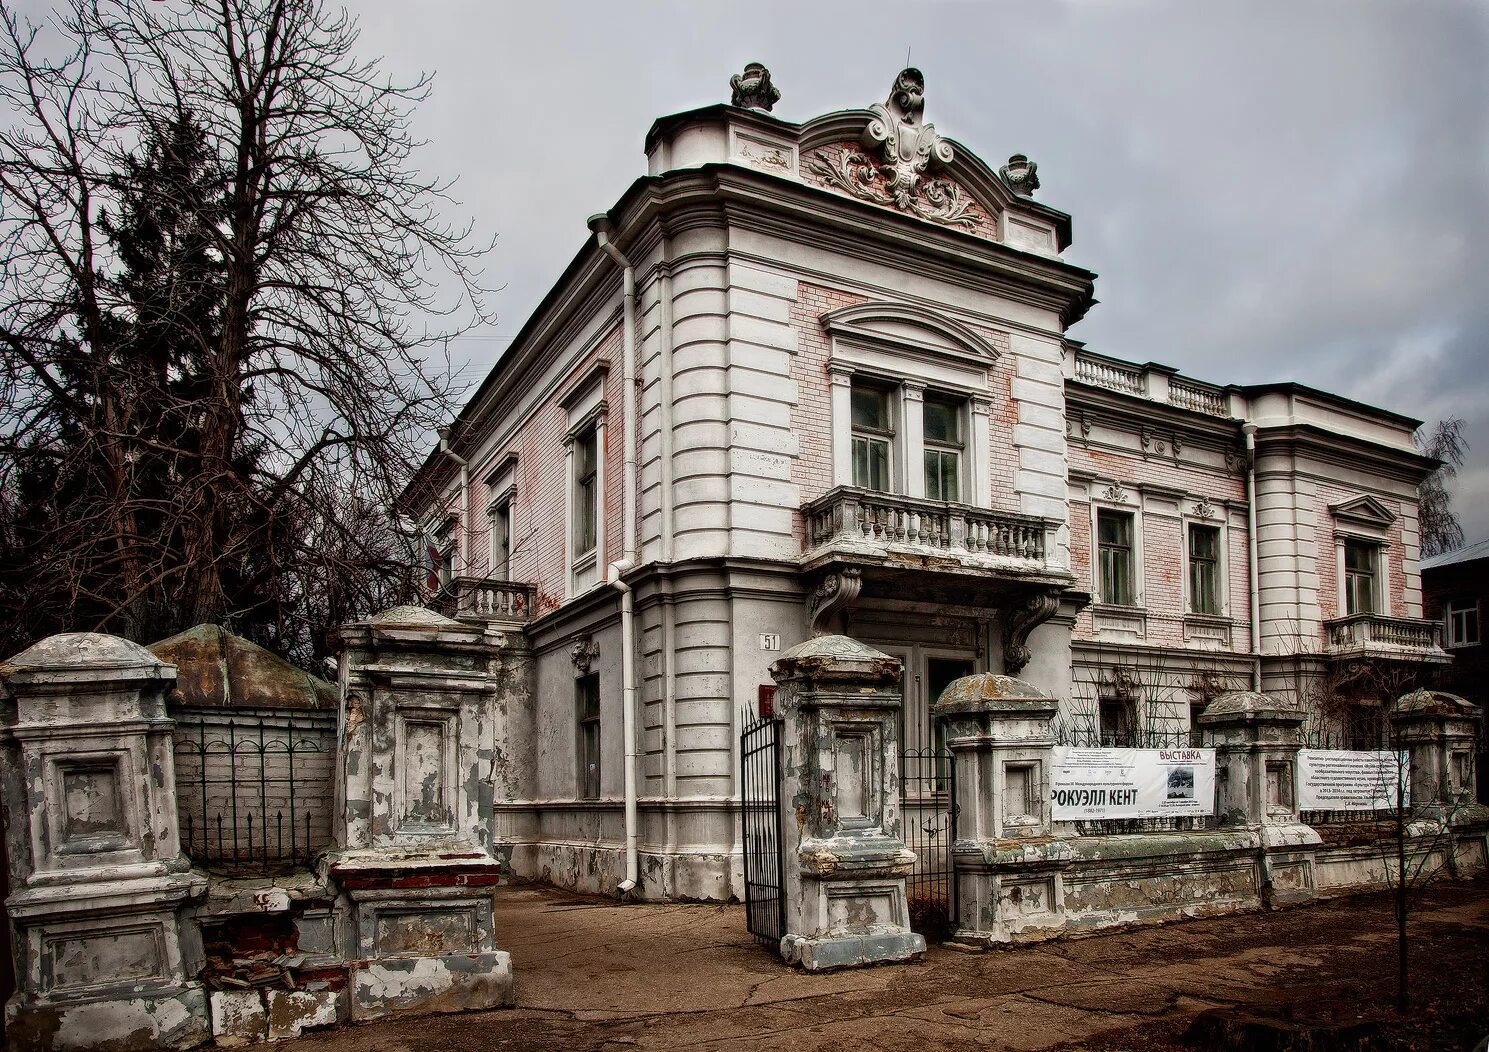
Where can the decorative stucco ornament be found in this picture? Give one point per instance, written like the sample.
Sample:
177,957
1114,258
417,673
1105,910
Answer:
900,151
753,88
1021,175
583,654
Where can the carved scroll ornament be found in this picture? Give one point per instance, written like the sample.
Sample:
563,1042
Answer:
1021,620
837,592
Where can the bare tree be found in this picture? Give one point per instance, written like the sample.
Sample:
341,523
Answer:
242,475
1445,442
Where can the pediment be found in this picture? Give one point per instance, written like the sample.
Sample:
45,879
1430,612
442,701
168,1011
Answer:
1364,510
904,326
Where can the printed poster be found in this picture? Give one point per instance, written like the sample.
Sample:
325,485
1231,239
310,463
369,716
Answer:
1351,779
1131,783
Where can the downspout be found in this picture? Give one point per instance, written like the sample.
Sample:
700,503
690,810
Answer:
465,539
1249,430
600,224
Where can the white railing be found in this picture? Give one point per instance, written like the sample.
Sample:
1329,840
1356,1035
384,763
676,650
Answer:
851,514
1362,630
488,599
1188,395
1114,377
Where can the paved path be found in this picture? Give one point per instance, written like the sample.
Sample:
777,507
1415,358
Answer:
595,975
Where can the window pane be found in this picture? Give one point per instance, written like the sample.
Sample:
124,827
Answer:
501,536
871,463
943,421
942,468
871,408
1114,527
1114,556
586,461
1204,569
1359,577
587,690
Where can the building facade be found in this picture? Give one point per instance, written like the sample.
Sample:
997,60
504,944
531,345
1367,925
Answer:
1455,591
818,377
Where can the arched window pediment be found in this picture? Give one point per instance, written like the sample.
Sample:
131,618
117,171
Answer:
906,327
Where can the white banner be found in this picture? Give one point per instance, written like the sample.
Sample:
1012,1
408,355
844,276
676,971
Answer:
1131,783
1351,779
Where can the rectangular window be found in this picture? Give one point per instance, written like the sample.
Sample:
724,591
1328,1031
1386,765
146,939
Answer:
587,697
1114,556
873,437
441,558
1204,569
1463,623
586,492
1118,718
943,449
1360,592
501,541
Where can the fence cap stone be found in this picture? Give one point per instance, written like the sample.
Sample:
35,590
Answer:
413,617
836,657
1245,706
93,654
1434,703
990,691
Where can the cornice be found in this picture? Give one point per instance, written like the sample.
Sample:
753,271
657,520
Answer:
1346,451
1132,411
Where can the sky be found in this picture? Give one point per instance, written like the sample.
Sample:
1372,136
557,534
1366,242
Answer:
1267,191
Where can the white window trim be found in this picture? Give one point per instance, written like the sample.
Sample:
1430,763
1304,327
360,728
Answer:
585,414
506,498
1454,606
907,396
1221,522
1382,593
1139,581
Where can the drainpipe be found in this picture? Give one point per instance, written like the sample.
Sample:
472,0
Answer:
1249,430
600,224
465,539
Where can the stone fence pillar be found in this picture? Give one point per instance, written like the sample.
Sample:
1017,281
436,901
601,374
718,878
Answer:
417,737
1256,759
1008,868
1437,729
98,884
844,860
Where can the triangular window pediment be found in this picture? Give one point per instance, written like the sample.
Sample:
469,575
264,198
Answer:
1364,510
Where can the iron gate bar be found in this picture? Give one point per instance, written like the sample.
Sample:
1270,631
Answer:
764,868
928,815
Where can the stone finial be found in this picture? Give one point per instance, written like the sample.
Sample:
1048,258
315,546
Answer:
753,89
1021,175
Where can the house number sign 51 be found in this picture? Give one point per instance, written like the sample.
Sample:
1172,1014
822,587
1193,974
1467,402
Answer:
770,641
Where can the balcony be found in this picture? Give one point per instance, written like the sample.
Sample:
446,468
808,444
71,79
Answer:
851,526
478,599
1379,636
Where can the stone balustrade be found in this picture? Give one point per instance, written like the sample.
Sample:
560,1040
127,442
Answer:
889,521
1363,633
1151,381
485,599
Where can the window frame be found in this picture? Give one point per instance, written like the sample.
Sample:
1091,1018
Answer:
889,436
942,448
1377,596
1217,564
499,527
588,737
587,416
1468,608
1134,597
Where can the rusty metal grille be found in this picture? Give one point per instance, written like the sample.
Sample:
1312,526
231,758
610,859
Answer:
928,821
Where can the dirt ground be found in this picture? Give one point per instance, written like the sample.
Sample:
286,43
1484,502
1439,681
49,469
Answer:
595,975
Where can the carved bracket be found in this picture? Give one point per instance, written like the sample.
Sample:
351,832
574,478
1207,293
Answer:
583,654
1021,620
827,605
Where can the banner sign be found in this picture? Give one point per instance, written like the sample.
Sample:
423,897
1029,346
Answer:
1131,783
1351,779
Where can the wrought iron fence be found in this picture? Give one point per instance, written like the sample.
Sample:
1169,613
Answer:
253,790
765,886
928,820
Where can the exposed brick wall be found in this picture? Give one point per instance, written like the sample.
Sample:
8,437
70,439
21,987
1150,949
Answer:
984,224
1163,541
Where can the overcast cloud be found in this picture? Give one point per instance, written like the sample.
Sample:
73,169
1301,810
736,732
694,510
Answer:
1275,191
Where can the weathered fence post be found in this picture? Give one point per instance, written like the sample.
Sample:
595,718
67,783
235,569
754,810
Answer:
1008,868
417,737
1437,730
1256,751
98,885
844,860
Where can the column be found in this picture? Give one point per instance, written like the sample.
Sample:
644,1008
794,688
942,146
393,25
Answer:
840,379
1009,871
979,453
912,437
99,889
1256,752
844,860
419,726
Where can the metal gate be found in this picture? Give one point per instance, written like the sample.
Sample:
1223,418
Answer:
928,819
765,889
